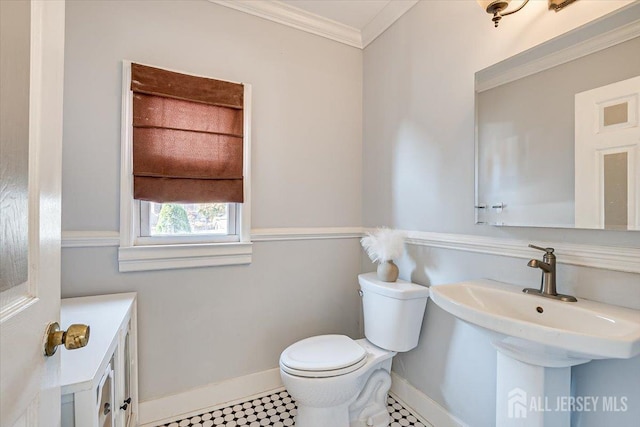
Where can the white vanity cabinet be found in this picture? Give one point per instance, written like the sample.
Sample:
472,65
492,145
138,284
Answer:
100,381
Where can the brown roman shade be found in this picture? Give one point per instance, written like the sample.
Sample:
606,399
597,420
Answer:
187,137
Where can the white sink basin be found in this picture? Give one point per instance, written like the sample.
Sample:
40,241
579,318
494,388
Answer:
543,331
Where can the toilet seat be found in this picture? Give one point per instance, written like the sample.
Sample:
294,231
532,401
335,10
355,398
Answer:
323,356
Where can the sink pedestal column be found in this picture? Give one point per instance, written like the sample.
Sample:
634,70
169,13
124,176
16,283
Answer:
528,395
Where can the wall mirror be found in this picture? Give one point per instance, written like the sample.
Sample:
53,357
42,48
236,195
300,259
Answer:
558,130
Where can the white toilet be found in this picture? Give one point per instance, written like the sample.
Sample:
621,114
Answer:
339,382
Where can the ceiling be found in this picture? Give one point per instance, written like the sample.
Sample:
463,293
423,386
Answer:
353,22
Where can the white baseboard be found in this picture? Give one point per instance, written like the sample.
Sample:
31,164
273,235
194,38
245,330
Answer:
423,405
196,401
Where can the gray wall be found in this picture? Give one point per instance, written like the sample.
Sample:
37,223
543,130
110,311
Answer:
198,326
418,174
204,325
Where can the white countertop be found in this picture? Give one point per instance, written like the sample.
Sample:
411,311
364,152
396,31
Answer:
105,314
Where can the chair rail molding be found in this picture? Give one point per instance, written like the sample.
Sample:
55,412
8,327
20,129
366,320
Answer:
312,233
616,258
89,239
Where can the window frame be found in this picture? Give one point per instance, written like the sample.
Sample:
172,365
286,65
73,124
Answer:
140,253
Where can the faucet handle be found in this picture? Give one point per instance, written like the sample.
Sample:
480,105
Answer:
547,250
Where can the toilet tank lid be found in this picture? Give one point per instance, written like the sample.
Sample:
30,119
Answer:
400,289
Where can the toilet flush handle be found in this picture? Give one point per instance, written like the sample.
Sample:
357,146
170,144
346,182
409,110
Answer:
360,292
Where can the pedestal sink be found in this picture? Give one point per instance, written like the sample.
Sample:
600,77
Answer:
538,340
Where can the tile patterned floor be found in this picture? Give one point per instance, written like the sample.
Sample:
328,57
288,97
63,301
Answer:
278,410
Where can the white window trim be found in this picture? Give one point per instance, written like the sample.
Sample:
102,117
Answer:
135,256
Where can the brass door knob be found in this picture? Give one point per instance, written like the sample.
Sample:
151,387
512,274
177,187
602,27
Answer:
76,336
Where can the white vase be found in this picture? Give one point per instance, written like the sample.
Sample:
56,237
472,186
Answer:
388,271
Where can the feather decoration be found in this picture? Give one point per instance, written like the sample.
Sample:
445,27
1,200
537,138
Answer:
384,244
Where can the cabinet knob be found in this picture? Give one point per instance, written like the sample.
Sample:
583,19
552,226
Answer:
107,408
76,336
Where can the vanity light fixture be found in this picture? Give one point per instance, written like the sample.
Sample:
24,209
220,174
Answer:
497,7
558,5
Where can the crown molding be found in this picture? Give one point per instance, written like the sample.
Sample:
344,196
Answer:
297,18
384,19
294,17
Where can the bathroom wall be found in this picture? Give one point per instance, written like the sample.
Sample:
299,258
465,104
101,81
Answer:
313,167
199,326
418,174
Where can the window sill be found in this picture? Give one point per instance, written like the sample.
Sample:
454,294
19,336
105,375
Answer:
165,257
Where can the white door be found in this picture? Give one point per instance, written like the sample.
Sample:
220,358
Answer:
607,156
32,61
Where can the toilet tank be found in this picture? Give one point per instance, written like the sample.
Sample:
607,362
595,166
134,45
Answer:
393,312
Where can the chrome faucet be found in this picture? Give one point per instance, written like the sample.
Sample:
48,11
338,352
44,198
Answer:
548,281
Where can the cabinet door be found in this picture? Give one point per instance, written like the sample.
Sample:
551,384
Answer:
126,374
126,404
105,402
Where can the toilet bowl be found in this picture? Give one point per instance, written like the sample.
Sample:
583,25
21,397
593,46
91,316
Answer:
340,382
325,384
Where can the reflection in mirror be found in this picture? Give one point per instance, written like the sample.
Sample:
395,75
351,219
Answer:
15,18
552,127
607,169
616,191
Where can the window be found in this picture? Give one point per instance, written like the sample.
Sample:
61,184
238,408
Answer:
172,223
185,195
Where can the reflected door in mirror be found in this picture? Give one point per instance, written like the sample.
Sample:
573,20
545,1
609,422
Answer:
607,156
